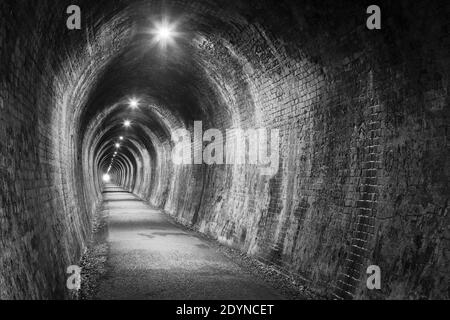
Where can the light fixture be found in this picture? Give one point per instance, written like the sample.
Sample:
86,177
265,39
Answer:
133,103
106,177
164,32
117,145
127,123
121,138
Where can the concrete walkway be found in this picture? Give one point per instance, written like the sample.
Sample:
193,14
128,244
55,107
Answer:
152,258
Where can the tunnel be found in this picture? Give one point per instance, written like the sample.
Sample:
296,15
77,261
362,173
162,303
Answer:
355,125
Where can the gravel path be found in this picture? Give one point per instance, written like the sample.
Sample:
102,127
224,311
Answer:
140,253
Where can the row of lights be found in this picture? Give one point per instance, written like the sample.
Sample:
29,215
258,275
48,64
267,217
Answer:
164,33
134,104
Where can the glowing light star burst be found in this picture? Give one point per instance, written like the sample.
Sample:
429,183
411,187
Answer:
164,32
133,103
127,123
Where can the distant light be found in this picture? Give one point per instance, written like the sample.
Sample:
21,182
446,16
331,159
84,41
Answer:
164,32
117,145
106,178
127,123
120,138
133,103
115,153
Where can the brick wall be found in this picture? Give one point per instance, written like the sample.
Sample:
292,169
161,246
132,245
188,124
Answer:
45,212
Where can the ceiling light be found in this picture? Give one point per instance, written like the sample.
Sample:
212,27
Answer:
117,145
127,123
133,103
164,32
